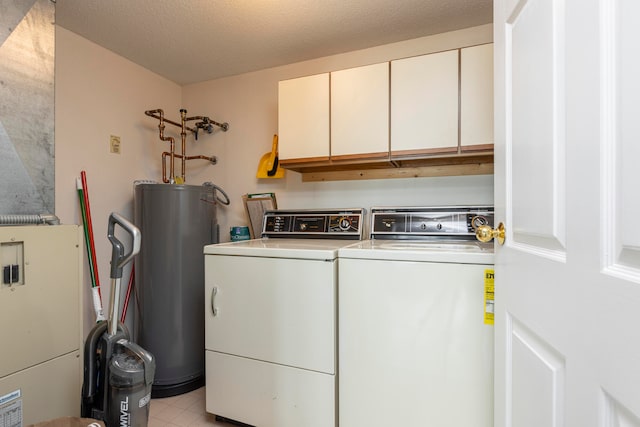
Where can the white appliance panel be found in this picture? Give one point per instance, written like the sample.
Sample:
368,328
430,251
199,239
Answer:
48,390
277,310
272,395
413,346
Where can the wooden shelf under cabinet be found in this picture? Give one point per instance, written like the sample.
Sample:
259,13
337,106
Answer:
456,164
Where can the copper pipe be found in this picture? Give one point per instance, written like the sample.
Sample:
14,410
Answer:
224,126
211,159
164,168
172,150
183,134
152,113
172,144
205,123
207,120
204,119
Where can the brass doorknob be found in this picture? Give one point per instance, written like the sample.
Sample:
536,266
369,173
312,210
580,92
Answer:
485,233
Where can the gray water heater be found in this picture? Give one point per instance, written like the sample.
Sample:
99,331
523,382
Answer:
176,222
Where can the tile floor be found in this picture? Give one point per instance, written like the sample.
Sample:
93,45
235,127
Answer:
185,410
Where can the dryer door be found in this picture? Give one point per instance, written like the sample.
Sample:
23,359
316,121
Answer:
276,310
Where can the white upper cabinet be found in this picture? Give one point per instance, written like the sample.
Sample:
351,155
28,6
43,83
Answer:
424,104
476,106
411,111
303,118
360,112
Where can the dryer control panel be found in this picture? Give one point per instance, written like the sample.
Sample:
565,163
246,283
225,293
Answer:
328,224
446,222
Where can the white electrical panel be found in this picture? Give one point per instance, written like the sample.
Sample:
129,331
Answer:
40,314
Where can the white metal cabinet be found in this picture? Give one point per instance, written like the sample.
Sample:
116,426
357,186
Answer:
271,341
360,112
424,104
303,118
476,97
41,334
46,391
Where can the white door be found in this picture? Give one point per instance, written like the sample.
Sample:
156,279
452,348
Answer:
567,172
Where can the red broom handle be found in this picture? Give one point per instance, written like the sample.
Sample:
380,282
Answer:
85,191
128,296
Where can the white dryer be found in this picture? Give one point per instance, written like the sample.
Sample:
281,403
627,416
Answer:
270,322
415,347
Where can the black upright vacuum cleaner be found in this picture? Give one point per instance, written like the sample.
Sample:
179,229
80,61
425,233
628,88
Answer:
118,374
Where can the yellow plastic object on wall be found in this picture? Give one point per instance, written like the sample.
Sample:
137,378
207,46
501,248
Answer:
268,166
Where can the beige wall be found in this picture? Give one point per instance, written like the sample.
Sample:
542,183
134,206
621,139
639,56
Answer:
99,94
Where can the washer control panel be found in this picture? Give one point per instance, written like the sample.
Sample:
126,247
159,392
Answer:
447,222
324,223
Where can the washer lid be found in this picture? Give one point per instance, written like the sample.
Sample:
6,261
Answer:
447,251
314,249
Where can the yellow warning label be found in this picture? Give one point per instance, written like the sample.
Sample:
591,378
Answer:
489,303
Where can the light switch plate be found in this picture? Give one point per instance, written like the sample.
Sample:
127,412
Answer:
114,144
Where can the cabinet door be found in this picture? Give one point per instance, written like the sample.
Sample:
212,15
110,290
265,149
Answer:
276,310
360,112
476,98
424,104
303,118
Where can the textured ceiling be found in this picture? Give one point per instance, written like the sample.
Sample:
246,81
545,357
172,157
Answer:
189,41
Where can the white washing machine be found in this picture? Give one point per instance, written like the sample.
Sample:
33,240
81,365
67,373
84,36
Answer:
270,320
415,343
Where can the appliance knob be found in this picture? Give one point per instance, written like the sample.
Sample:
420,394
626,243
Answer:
478,221
439,226
345,223
303,226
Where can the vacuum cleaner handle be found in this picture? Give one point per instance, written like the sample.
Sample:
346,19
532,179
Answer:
118,258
